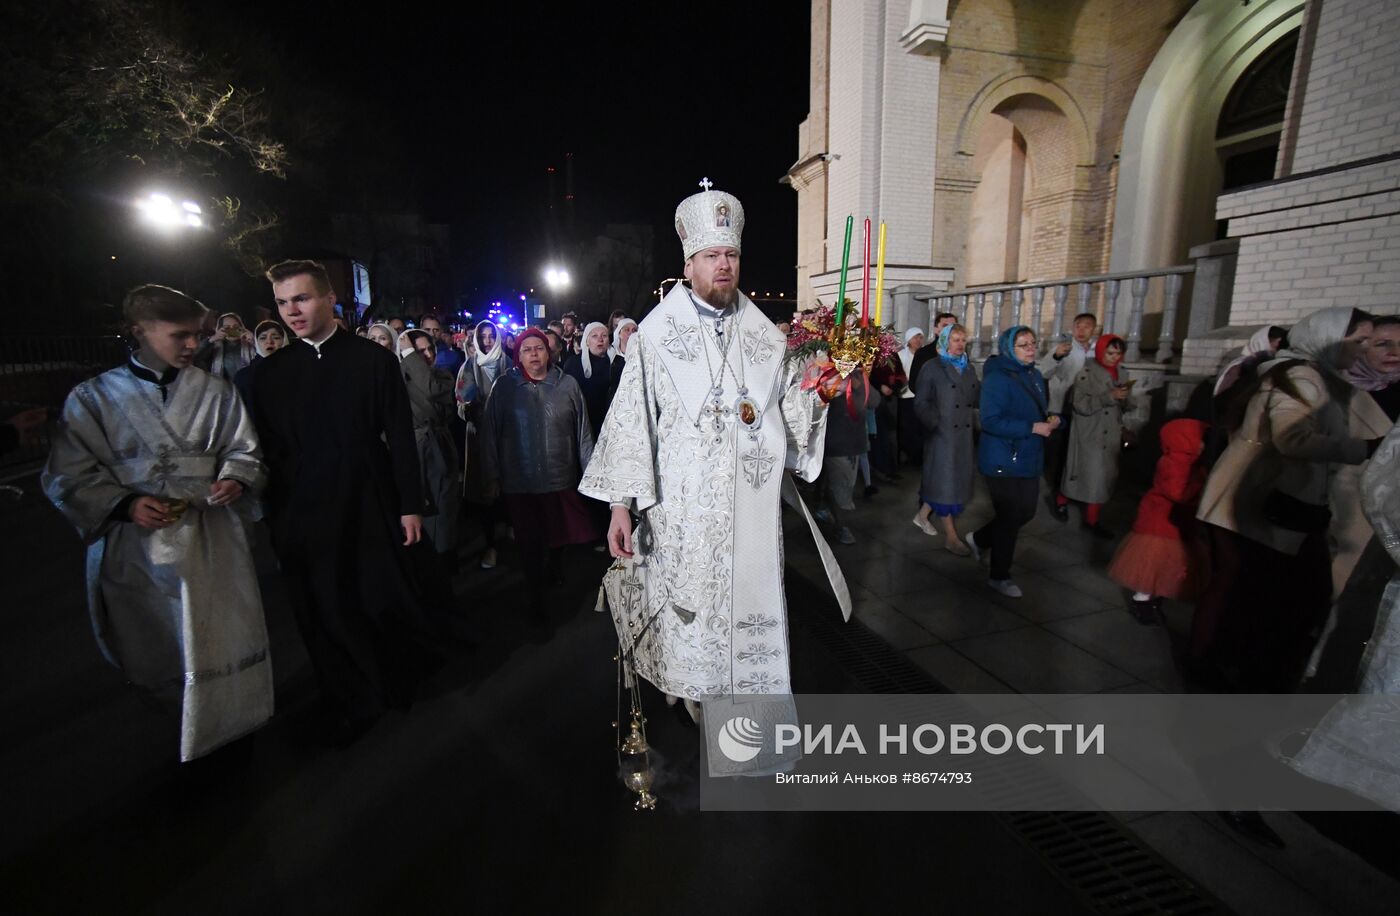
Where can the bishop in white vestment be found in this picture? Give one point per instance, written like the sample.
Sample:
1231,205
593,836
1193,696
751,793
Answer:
708,414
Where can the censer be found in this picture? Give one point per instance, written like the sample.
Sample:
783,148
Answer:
633,752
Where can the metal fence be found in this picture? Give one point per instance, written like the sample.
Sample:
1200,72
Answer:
38,371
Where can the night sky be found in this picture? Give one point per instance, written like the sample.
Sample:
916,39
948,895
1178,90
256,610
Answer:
649,97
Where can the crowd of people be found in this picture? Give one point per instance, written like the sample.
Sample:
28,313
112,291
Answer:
363,446
1255,510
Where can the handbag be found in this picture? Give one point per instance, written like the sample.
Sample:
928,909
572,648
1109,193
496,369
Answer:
1284,510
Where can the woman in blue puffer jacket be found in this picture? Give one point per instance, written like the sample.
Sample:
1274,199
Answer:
1015,422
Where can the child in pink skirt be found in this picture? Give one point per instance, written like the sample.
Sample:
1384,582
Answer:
1164,555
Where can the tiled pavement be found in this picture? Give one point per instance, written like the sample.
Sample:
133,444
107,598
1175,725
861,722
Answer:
1071,633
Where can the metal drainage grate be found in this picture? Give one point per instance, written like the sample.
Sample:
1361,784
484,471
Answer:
1090,853
1109,867
863,655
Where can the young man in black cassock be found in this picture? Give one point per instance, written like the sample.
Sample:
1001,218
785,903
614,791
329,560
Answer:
344,502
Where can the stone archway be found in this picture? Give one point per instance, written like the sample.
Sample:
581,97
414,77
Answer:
1169,172
1022,217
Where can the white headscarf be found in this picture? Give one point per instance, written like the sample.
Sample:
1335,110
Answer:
264,326
1318,338
911,333
585,354
387,330
490,357
1257,347
618,348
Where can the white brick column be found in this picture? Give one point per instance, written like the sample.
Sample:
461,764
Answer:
883,91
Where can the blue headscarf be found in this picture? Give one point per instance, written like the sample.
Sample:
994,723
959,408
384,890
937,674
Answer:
1006,345
957,362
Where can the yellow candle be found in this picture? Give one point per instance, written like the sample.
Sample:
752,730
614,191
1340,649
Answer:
880,277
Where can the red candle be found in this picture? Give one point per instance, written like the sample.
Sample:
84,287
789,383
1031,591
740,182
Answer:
865,280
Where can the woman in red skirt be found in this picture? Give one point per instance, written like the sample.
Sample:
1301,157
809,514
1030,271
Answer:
1164,556
535,442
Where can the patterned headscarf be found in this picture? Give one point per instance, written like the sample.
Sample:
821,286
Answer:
944,336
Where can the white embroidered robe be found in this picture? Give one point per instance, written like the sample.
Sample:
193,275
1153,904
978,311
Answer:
710,597
177,609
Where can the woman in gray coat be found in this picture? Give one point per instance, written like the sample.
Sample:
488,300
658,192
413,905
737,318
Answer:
439,465
1096,435
945,399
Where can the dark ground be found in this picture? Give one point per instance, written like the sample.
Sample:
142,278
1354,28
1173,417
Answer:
497,789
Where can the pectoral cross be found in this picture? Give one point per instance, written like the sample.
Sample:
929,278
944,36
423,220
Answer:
706,183
719,411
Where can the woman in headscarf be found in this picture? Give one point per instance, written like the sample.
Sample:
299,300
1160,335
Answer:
229,350
1011,453
1096,433
946,394
475,381
383,335
596,372
268,338
431,401
1261,346
535,443
911,437
1266,504
621,334
1378,371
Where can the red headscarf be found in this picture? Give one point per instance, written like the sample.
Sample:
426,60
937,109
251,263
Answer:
1101,348
526,335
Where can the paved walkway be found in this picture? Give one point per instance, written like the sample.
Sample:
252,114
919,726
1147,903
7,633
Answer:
498,787
1071,633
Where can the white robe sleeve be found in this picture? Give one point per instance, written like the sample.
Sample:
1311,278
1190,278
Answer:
78,476
240,456
622,468
804,417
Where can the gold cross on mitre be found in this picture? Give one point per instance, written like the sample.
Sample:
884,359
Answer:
706,183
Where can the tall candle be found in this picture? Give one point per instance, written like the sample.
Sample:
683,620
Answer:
880,277
865,280
845,260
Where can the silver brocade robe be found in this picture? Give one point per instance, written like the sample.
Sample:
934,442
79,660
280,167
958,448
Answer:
1356,745
178,609
710,540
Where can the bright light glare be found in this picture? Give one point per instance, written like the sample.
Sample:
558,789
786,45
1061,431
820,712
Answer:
160,210
557,278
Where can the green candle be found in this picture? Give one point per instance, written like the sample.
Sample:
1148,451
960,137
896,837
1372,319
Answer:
845,260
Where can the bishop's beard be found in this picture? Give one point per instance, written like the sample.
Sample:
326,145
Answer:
721,299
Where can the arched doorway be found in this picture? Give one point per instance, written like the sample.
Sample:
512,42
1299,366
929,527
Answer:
996,238
1170,167
1022,217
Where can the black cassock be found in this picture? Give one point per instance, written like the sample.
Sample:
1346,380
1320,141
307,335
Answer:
337,437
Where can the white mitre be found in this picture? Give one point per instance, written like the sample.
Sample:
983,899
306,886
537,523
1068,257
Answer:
710,219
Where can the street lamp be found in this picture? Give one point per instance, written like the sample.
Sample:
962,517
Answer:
557,278
160,210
